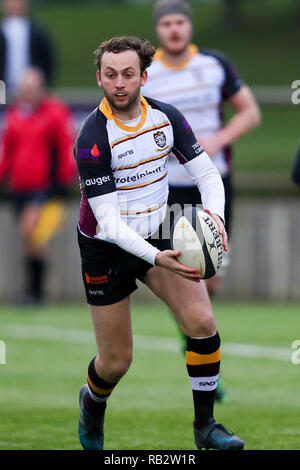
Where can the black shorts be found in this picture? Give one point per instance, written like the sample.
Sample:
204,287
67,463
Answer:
109,273
190,195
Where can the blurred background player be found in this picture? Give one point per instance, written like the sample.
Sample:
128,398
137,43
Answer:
37,160
199,82
296,168
23,43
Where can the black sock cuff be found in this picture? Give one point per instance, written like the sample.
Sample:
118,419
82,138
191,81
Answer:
204,345
96,380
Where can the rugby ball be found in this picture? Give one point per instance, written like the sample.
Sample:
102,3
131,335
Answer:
196,235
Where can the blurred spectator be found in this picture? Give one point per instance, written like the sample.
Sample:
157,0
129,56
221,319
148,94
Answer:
36,158
22,43
296,168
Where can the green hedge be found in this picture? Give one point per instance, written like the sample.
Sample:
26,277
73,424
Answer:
264,47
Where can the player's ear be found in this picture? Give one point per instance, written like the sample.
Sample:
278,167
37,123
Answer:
98,76
144,77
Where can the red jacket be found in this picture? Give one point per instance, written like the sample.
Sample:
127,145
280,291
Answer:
35,145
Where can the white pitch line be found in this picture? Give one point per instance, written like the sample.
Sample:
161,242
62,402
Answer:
253,350
66,335
46,333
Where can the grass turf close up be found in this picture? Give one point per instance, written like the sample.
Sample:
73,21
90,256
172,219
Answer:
48,351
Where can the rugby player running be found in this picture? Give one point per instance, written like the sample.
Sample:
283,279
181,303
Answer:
122,151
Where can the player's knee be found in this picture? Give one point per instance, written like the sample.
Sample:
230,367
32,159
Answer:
209,326
119,365
202,326
125,363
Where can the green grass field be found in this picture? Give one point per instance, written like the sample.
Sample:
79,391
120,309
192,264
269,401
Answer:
47,352
264,158
271,147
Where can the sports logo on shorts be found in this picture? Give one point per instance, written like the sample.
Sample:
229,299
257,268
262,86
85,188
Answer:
96,279
160,139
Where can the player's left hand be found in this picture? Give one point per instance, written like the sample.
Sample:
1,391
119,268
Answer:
168,259
221,228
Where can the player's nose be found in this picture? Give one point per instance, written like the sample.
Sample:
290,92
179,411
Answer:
119,82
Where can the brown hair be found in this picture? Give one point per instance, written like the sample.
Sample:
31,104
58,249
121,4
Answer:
143,48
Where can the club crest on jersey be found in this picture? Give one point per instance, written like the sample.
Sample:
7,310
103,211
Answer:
160,139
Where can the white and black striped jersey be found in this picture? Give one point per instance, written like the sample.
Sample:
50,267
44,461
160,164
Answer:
198,88
132,162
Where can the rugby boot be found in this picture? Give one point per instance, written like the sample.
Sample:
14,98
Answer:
216,436
90,428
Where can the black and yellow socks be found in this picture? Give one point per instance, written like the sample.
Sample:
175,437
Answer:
99,391
203,365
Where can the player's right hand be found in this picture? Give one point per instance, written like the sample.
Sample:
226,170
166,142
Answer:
168,259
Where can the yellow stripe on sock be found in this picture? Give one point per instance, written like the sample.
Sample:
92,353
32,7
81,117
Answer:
195,359
99,391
